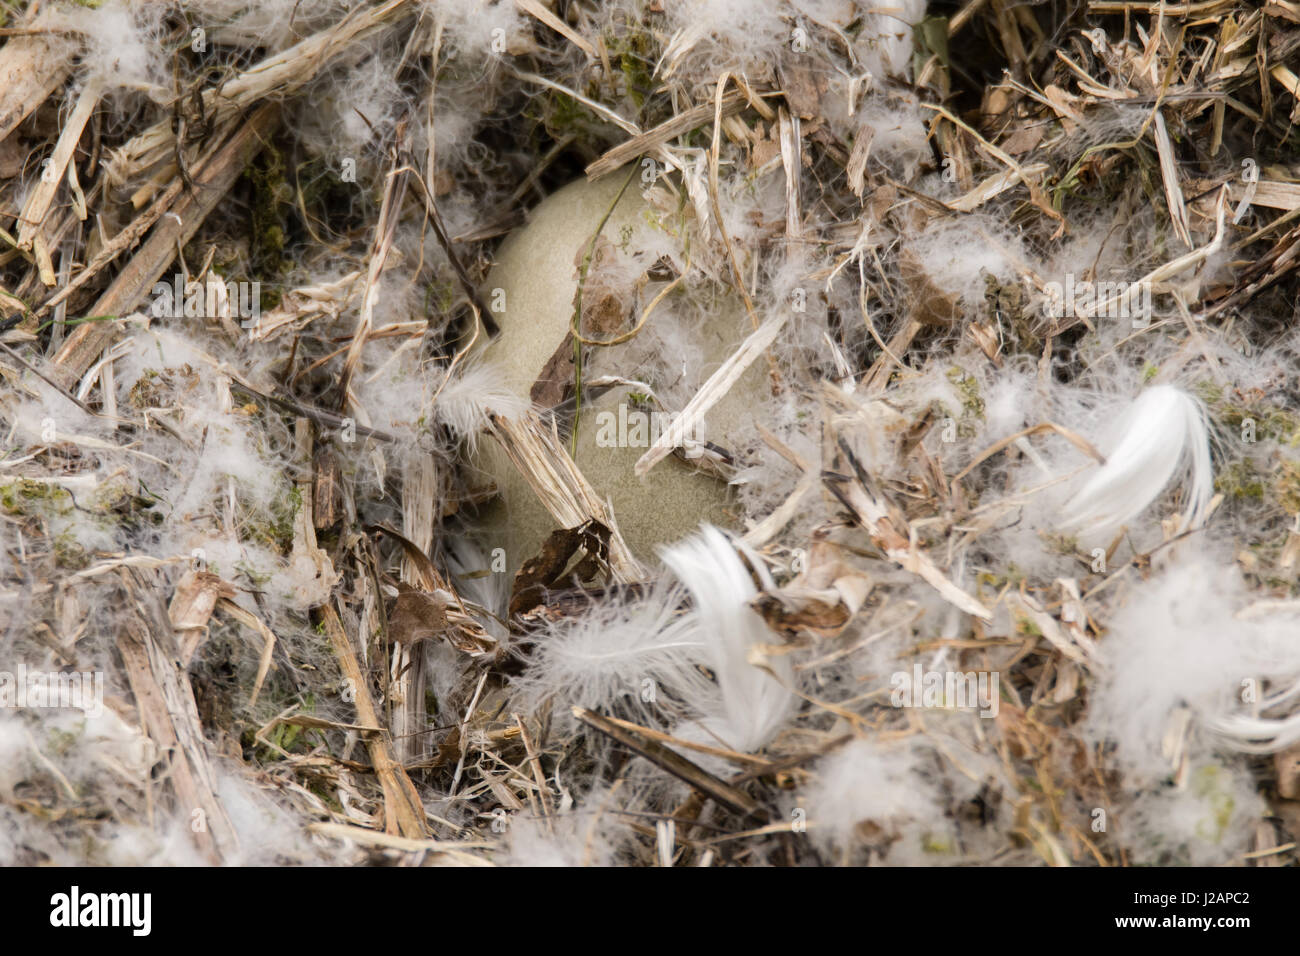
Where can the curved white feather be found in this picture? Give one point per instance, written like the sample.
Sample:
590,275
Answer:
753,705
1162,436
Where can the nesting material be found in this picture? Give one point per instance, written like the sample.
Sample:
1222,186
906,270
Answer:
689,432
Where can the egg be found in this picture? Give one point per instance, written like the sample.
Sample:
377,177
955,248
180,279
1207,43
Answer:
688,334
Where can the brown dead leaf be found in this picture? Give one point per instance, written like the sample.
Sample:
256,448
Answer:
882,200
416,615
604,314
789,619
766,148
550,569
1023,140
804,89
606,294
556,377
606,303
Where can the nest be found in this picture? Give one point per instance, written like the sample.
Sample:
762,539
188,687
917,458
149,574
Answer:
1009,566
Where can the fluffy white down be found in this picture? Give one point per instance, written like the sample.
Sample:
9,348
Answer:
1180,641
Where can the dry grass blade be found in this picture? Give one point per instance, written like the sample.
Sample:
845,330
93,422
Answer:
32,218
1075,439
403,811
258,626
540,458
643,144
31,69
454,849
674,763
227,103
719,383
166,701
890,534
534,9
1169,175
213,179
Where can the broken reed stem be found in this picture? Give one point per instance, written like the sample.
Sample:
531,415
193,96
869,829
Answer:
165,699
212,181
536,452
674,763
403,811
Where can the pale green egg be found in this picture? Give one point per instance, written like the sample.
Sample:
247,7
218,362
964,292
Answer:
531,287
